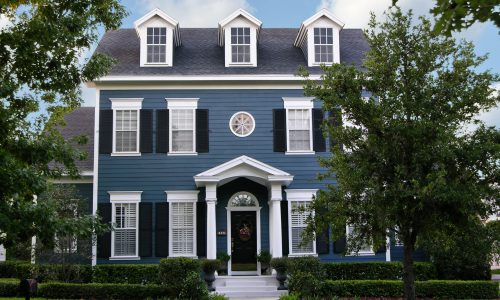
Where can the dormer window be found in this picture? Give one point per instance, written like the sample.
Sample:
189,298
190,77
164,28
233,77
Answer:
156,44
323,45
240,44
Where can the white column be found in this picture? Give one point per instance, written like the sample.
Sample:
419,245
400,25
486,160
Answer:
3,255
275,219
211,198
388,249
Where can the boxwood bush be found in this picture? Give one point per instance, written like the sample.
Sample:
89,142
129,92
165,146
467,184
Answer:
377,271
134,274
46,272
9,287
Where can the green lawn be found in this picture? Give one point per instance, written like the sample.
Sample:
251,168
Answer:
496,271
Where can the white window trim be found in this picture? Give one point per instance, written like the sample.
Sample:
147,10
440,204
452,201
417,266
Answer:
231,127
299,103
302,195
125,197
126,104
181,103
361,252
182,197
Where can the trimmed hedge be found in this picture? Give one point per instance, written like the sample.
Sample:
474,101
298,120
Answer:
394,288
9,287
103,291
46,272
133,274
377,271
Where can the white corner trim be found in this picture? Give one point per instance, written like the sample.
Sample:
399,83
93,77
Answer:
182,103
298,102
125,196
95,168
300,194
126,103
182,196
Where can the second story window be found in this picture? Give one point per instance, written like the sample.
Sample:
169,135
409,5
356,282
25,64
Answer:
299,130
156,44
126,131
323,45
183,133
240,45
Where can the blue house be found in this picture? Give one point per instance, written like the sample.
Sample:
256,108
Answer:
205,143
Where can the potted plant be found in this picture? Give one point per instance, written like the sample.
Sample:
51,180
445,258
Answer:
264,257
280,264
223,257
209,267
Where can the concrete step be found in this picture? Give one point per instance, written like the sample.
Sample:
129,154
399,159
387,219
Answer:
236,288
254,294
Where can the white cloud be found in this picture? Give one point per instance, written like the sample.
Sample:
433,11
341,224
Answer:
4,21
197,13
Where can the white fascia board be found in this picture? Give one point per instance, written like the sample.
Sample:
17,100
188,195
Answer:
298,102
126,103
155,12
125,196
300,194
182,103
228,78
182,196
243,160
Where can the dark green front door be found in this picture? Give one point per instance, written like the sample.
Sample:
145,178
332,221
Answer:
244,240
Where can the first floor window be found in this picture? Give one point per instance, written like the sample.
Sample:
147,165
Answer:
298,225
182,228
366,248
299,129
65,244
182,130
125,233
126,130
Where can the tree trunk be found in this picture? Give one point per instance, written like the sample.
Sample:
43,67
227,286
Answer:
408,274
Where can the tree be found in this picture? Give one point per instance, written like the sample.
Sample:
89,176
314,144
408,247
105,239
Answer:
40,70
455,15
406,162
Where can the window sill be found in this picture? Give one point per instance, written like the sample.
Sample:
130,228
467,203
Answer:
369,253
184,255
182,153
156,65
124,258
126,154
300,153
242,65
302,254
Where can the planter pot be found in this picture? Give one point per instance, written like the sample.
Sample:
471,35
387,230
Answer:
281,277
264,268
209,279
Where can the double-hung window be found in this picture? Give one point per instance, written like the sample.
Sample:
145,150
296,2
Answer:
365,249
240,44
298,202
126,123
299,125
323,45
125,218
156,45
182,208
182,125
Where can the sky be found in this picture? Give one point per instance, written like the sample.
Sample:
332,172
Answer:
291,13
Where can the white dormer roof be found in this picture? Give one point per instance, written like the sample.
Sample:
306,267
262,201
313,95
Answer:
161,14
305,25
238,13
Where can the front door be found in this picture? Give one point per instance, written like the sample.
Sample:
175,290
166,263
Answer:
243,242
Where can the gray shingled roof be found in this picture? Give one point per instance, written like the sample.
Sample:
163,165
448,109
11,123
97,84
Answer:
200,54
81,122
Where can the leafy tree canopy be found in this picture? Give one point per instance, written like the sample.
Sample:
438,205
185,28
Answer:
40,69
406,162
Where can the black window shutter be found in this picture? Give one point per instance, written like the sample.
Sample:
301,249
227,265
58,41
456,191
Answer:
104,240
335,120
201,224
202,131
145,229
284,227
279,130
322,242
162,131
161,230
146,136
105,131
339,245
319,143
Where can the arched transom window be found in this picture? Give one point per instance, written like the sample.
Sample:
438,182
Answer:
243,199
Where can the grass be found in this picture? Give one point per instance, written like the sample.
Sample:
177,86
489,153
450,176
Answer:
496,271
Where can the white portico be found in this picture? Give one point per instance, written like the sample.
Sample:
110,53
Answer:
256,171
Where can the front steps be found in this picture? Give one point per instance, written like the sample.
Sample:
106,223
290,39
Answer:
235,287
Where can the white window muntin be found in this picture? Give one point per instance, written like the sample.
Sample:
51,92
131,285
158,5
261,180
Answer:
240,45
366,250
242,124
182,223
182,125
125,218
299,198
323,44
298,119
126,123
156,45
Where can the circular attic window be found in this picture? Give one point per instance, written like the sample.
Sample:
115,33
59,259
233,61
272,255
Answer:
242,124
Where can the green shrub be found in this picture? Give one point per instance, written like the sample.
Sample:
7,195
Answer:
377,271
279,263
193,287
291,296
15,270
173,271
47,272
306,283
210,265
365,288
103,291
457,289
307,264
9,287
264,257
132,274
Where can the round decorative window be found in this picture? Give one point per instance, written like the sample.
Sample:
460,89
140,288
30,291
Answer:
243,199
242,124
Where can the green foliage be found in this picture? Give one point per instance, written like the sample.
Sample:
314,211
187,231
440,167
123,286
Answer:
291,296
41,69
377,271
103,291
305,283
223,257
215,296
47,272
124,273
174,271
405,162
264,257
210,265
9,287
308,264
458,289
193,287
279,263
